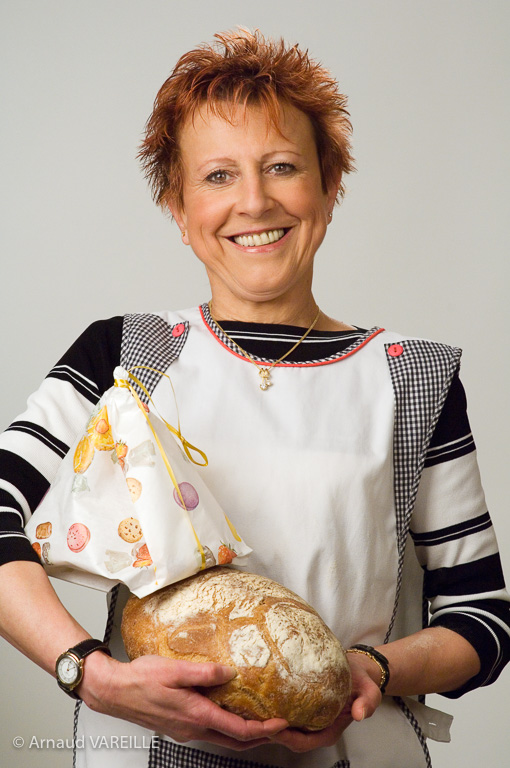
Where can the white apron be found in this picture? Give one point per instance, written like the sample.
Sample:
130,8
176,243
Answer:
319,475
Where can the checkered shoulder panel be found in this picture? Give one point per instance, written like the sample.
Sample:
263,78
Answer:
421,374
149,340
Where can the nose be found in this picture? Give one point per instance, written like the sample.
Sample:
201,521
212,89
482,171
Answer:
254,198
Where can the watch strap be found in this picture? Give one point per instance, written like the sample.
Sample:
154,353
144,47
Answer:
70,691
88,646
376,656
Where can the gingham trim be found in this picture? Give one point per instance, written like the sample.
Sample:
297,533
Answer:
167,754
149,340
106,639
111,613
77,707
419,733
421,373
359,342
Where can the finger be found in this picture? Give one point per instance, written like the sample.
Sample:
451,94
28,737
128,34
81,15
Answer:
297,741
213,737
211,723
205,714
300,741
253,729
240,729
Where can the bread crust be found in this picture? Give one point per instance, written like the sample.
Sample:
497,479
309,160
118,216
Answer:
288,662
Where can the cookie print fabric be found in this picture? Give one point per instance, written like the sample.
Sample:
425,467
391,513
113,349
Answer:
129,506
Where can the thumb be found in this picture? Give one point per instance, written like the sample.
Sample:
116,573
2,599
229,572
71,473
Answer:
365,705
358,710
205,674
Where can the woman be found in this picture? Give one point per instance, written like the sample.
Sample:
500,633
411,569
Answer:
331,446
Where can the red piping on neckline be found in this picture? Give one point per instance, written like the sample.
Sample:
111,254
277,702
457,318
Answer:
288,365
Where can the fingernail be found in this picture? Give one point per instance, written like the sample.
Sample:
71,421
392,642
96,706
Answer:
363,714
230,672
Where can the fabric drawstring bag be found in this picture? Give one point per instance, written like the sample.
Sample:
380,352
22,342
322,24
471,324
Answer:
128,504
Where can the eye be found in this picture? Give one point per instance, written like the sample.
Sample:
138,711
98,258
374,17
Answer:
282,169
218,177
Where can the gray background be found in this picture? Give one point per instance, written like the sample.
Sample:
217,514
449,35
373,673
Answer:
419,245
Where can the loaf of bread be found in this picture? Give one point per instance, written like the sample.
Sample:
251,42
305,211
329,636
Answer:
288,662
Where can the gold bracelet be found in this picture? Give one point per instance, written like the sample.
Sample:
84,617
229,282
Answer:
378,658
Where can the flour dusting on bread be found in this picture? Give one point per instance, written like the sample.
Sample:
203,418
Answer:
288,662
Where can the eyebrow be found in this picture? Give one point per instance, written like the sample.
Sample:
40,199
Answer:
217,161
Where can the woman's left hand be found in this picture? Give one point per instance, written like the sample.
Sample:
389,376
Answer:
364,699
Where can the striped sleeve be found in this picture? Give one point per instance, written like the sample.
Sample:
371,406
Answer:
456,546
35,443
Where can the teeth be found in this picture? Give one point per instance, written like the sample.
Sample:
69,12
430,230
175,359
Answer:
262,238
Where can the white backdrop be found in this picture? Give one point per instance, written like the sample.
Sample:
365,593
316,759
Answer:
420,244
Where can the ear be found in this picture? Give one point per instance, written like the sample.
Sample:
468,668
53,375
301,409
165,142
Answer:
181,221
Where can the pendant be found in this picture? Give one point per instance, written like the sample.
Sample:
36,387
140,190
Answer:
265,374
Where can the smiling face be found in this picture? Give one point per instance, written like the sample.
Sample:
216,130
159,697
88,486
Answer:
254,210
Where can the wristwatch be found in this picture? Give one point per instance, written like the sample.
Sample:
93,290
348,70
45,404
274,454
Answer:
69,665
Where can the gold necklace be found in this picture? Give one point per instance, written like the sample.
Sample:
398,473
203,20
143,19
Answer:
265,372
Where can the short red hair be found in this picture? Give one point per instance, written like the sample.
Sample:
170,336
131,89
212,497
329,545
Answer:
243,68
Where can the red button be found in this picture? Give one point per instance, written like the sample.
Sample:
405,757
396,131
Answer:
395,350
178,330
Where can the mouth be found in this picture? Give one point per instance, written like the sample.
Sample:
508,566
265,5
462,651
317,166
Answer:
256,239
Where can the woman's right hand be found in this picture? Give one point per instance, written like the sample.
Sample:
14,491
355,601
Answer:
151,691
160,694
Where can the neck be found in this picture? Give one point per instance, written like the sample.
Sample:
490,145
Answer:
276,313
301,315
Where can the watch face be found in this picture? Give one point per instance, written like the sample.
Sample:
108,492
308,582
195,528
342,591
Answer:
68,670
